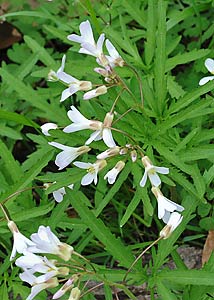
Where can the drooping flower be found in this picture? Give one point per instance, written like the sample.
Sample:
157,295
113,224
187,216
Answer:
59,194
48,126
114,57
20,242
66,287
209,64
151,172
40,264
92,170
113,173
87,42
165,206
38,283
173,222
45,241
101,130
74,85
95,93
109,153
68,154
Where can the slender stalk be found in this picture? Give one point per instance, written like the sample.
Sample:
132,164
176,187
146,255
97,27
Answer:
136,260
5,213
115,101
85,259
20,191
139,82
92,289
125,113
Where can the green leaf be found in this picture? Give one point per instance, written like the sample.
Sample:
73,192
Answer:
112,244
150,31
131,207
18,118
194,277
42,53
165,292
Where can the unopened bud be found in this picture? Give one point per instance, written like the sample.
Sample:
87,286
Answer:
75,294
66,287
109,153
133,155
52,76
108,119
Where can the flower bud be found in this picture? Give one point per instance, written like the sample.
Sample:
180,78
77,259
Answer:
75,294
108,119
133,155
109,153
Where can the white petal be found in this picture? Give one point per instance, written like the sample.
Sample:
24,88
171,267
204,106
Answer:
154,179
111,50
64,158
75,38
161,170
209,64
35,290
75,116
108,138
86,32
58,195
90,49
65,94
204,80
48,126
100,43
161,210
87,179
82,165
61,69
96,134
89,95
67,78
75,127
144,179
59,146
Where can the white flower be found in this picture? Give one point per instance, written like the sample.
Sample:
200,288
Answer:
209,64
48,126
58,194
68,154
46,241
74,85
165,206
86,39
80,122
95,93
109,153
173,222
151,171
66,287
92,170
114,57
102,130
112,174
20,242
38,283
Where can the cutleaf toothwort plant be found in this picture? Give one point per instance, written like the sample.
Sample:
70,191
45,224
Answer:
67,266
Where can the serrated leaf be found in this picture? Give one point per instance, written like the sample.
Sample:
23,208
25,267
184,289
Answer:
175,90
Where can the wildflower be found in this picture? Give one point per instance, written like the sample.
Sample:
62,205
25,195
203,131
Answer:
75,294
151,171
54,76
114,57
95,93
48,126
165,206
80,122
92,170
133,155
58,194
46,241
173,222
66,287
109,153
87,42
68,154
112,174
209,64
101,129
38,283
20,243
35,263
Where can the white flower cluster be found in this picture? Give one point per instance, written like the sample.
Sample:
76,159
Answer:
44,241
102,130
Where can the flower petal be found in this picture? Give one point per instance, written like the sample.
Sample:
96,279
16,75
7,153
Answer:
96,135
161,170
204,80
82,165
209,64
108,138
144,179
67,78
87,179
154,179
65,94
